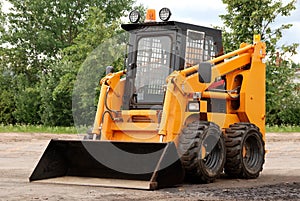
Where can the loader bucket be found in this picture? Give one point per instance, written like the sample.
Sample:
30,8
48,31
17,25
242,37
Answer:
112,164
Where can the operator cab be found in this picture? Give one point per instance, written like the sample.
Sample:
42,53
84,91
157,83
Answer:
158,48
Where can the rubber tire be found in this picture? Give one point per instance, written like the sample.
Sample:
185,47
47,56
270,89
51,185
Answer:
246,165
191,140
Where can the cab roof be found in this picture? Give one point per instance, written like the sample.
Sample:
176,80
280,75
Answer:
172,25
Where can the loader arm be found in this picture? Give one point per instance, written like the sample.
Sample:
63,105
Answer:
110,81
245,62
238,59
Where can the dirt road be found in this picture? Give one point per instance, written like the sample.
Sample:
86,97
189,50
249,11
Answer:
280,179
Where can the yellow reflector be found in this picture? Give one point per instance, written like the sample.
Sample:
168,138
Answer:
256,38
151,15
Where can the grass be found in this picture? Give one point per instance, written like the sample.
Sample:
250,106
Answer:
283,129
37,129
74,130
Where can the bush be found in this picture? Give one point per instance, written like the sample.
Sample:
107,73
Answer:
282,97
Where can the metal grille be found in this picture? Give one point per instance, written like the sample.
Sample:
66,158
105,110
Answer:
194,48
153,63
209,49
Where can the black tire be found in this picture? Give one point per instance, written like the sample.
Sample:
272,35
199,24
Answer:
245,151
202,150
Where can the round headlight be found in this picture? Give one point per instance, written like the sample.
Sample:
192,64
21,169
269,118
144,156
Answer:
165,14
134,16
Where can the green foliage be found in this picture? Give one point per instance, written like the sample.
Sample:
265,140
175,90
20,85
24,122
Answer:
248,17
95,48
56,87
27,104
87,59
26,100
283,94
6,107
2,20
94,31
42,48
37,30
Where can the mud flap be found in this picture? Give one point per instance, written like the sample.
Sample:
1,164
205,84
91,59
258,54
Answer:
114,164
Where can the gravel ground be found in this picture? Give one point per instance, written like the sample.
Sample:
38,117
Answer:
20,152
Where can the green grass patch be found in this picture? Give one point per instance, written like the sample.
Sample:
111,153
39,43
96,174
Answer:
74,130
283,129
38,129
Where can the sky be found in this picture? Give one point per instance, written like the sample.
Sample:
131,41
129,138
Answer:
206,13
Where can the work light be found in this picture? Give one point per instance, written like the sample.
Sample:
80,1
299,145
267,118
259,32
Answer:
194,106
165,14
134,16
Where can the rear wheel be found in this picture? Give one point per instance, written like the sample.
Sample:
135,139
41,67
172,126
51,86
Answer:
202,150
245,151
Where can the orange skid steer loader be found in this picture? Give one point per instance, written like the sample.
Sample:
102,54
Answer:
180,111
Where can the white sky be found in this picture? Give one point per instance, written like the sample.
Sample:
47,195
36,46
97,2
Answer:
206,13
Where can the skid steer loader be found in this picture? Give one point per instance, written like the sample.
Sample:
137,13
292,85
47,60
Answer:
181,111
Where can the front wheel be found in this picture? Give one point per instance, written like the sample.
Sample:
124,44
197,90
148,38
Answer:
245,151
202,150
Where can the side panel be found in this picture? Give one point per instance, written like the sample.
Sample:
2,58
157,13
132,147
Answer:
253,90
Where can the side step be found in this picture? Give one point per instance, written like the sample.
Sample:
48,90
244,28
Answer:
112,164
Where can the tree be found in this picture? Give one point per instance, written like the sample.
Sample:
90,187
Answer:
248,17
38,29
87,58
2,19
41,28
36,33
93,49
6,95
98,45
283,94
